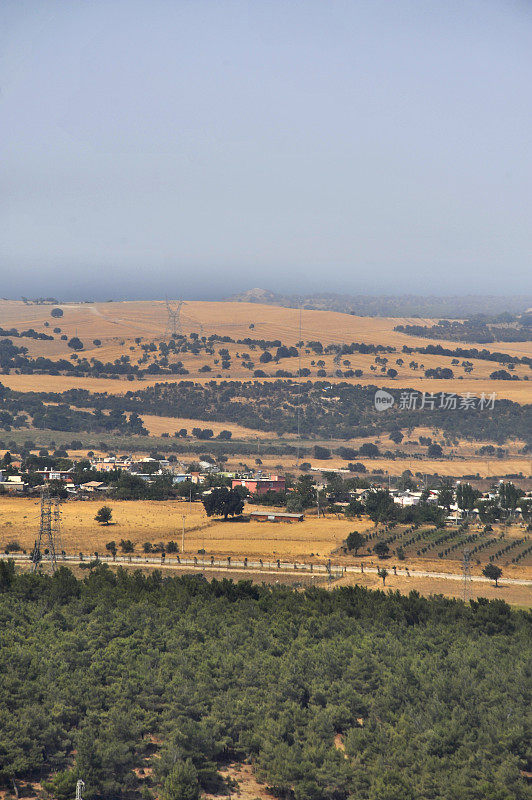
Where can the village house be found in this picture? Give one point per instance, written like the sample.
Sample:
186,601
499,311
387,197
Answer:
260,485
51,474
13,483
111,463
93,487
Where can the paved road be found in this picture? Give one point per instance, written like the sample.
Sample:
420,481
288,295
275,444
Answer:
264,567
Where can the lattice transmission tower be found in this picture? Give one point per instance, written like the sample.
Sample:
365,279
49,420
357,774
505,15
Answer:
47,544
173,323
466,575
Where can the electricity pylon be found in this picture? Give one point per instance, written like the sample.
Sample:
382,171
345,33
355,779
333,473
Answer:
47,532
466,574
173,323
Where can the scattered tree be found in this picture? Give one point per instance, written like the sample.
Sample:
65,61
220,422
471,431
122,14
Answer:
223,502
492,572
382,573
111,547
104,515
354,541
381,549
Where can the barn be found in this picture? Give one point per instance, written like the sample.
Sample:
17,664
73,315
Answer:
275,516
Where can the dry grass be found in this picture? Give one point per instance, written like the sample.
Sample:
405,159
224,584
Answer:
518,391
159,425
117,325
486,468
515,595
152,521
313,539
129,319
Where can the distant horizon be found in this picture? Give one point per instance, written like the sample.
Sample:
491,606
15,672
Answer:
469,304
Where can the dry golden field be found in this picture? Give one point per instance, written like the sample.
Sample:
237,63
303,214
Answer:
510,593
162,521
153,521
117,325
485,467
129,319
158,425
517,391
311,540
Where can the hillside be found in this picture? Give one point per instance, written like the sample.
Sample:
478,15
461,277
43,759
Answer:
124,348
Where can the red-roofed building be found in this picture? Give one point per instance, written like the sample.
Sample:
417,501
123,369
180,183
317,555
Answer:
275,483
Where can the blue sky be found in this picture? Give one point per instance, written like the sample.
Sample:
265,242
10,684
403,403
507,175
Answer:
195,148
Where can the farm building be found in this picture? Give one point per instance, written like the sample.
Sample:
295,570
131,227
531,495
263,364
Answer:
14,483
275,516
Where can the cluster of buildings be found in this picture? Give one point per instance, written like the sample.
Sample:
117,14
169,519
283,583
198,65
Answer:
257,484
147,469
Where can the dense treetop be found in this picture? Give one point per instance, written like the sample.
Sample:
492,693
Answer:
341,410
430,696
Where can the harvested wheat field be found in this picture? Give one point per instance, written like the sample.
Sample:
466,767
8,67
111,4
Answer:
110,331
159,425
152,521
484,467
517,391
111,322
510,593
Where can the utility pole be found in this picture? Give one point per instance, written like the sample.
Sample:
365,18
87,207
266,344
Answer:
318,500
183,536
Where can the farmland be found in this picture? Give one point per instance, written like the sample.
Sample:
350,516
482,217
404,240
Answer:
142,521
314,539
131,335
122,328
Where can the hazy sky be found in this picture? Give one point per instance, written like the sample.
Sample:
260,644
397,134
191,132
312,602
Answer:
195,148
